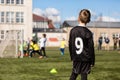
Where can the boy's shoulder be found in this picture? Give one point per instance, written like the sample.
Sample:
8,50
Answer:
81,29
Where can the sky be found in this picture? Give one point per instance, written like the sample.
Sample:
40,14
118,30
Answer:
61,10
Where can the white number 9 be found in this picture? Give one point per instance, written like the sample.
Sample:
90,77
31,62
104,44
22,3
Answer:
79,45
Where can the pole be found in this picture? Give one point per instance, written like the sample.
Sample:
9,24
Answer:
21,43
16,44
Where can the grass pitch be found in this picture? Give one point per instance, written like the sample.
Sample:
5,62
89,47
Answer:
107,67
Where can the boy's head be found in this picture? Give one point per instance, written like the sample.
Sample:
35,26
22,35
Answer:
44,35
63,39
84,16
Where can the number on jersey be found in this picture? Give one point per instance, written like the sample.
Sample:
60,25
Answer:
79,45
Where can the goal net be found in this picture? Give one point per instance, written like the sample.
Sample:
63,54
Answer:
10,45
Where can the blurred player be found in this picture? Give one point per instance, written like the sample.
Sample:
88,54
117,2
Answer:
81,47
43,45
36,49
62,46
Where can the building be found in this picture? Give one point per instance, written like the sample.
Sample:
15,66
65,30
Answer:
99,28
44,25
41,23
16,16
15,25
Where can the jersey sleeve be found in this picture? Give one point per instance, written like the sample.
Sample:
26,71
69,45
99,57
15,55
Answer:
71,42
91,50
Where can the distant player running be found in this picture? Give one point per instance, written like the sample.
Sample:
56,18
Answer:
81,47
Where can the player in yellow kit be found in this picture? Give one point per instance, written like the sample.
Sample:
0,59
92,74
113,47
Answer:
35,49
62,46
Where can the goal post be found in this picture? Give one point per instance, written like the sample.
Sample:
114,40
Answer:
9,47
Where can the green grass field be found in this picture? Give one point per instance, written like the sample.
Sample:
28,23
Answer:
107,67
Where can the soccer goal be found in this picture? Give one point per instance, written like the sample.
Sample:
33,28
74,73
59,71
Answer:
9,46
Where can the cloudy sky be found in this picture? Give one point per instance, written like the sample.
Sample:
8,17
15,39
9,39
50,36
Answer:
60,10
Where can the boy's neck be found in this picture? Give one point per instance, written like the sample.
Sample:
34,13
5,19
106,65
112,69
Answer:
82,24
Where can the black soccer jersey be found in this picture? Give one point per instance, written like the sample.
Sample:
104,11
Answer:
81,45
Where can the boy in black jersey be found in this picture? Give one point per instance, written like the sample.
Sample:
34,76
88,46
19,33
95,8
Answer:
81,47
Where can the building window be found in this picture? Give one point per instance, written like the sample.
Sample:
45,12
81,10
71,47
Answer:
1,1
2,34
19,17
2,15
8,2
12,1
22,1
10,17
19,1
22,17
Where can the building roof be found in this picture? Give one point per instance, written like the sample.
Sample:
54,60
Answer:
37,18
97,24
